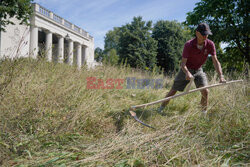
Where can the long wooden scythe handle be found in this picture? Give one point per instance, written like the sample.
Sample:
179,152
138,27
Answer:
184,93
133,114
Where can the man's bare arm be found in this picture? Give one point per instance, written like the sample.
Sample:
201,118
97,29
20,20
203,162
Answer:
185,69
217,67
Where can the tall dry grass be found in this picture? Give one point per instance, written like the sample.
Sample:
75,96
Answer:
49,118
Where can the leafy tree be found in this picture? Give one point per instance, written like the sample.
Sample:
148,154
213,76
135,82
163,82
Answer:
111,40
99,54
171,37
229,20
111,57
231,62
21,9
136,46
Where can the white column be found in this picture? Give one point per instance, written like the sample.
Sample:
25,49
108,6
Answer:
84,54
33,41
79,55
48,45
70,52
60,50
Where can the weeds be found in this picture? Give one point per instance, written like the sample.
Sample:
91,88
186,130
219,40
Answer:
49,118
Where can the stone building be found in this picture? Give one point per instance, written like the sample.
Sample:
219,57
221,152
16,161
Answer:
48,35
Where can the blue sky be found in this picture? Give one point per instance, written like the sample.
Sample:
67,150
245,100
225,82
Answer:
99,16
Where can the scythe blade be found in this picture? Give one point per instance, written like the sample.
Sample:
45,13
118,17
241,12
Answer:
133,114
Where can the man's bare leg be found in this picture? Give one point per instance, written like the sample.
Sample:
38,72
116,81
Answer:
204,99
170,93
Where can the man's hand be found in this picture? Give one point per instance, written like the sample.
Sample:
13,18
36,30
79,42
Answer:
185,70
189,76
222,79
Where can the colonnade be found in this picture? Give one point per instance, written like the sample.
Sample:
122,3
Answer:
81,50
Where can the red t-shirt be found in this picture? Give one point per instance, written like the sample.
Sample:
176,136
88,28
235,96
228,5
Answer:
196,57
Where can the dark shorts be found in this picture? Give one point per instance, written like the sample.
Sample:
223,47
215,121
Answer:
180,82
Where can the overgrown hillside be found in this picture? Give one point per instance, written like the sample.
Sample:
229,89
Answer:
48,117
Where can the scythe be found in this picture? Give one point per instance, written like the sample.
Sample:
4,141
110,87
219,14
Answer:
132,109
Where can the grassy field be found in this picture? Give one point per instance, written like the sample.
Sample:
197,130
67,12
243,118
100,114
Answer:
49,118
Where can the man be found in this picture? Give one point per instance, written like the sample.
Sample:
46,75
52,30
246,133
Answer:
194,55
